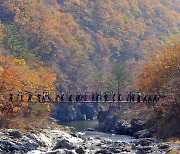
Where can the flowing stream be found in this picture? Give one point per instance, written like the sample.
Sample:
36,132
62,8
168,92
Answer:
81,126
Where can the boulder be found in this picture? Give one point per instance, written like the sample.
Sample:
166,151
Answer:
111,124
65,112
9,146
102,115
15,134
136,125
58,151
142,134
64,144
108,124
122,128
163,146
70,151
103,151
146,149
144,142
80,150
74,134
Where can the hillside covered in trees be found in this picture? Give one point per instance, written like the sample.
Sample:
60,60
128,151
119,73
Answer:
79,40
125,47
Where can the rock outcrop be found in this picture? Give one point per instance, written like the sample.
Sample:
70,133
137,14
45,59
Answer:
109,123
74,112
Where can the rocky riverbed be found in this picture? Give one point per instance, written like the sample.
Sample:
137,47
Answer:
49,141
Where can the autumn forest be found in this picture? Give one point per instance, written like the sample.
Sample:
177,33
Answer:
72,45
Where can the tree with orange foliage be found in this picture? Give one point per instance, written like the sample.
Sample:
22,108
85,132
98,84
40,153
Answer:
161,76
162,72
16,75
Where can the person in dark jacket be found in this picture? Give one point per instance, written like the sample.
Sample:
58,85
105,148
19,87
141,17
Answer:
113,96
93,96
100,96
138,97
21,96
10,97
62,97
39,97
57,96
97,97
70,97
105,97
30,97
119,97
43,97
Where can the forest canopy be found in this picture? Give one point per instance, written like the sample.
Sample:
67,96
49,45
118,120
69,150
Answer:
78,38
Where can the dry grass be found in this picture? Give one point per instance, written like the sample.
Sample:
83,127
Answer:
174,152
127,112
34,118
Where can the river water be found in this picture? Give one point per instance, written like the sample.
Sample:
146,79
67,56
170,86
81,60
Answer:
80,126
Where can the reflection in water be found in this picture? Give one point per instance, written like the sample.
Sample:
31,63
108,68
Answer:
81,125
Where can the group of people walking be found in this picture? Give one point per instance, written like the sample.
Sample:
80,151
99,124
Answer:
143,97
97,96
41,97
79,97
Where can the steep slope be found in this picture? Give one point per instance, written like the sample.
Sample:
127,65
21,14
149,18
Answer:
80,39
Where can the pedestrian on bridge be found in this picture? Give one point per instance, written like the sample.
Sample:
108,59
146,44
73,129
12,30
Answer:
70,97
77,97
85,97
138,97
17,98
97,96
47,96
21,96
128,97
100,96
62,96
11,97
93,96
149,98
144,97
119,97
43,97
105,97
30,97
39,97
80,97
57,96
131,97
113,96
155,98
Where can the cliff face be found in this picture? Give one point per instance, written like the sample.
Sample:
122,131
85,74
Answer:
74,112
114,124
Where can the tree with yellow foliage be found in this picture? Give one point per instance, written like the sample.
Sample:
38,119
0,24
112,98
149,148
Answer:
16,75
161,75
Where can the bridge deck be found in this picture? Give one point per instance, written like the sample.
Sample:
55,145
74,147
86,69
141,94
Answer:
99,102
